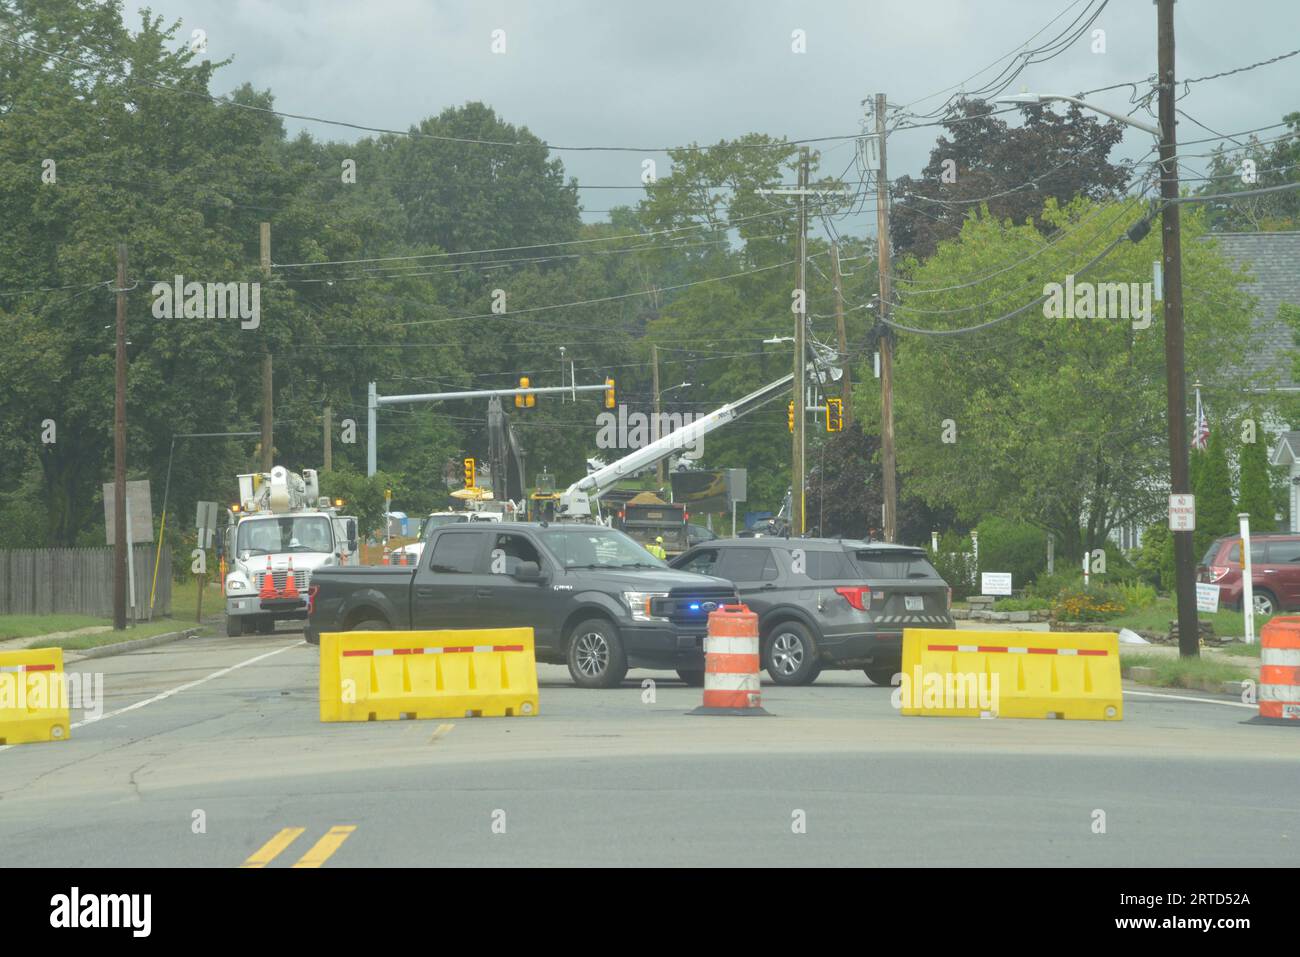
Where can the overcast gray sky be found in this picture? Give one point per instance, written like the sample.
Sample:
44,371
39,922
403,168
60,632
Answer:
616,72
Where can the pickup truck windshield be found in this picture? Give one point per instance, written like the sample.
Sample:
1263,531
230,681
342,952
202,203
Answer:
589,547
287,533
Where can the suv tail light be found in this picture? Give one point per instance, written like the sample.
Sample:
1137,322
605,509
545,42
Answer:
1218,572
859,596
311,598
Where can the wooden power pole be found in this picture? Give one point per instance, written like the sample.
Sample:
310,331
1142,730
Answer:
797,525
1176,388
267,395
119,450
890,482
846,367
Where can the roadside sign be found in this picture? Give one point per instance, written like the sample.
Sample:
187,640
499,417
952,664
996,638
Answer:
139,509
205,520
1182,513
1207,597
995,583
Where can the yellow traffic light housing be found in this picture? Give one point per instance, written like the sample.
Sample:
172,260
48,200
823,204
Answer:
523,401
609,393
469,473
790,414
834,415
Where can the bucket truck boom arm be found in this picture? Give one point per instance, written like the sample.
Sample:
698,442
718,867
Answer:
575,502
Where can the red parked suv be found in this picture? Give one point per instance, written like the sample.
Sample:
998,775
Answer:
1275,563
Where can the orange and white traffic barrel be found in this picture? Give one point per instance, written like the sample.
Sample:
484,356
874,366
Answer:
1279,669
731,663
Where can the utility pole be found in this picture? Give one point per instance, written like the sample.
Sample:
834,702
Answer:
119,451
890,483
1176,394
266,360
800,399
329,444
659,469
846,369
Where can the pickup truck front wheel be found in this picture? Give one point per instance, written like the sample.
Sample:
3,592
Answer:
596,656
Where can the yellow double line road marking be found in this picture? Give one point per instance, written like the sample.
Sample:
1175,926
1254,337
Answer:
320,852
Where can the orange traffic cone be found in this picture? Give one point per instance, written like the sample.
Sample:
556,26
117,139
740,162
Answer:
290,586
385,556
268,583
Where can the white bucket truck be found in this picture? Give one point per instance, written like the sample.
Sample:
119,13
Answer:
280,531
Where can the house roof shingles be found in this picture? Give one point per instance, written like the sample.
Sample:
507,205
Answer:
1273,259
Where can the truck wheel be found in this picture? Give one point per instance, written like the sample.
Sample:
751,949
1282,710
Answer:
882,676
596,656
234,626
693,679
790,655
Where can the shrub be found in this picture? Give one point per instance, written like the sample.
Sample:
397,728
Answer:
1022,604
954,563
1049,586
1007,546
1095,603
1137,594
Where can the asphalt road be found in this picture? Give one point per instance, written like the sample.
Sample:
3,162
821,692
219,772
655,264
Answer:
210,753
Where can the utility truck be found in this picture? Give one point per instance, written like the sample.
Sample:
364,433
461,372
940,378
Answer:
279,533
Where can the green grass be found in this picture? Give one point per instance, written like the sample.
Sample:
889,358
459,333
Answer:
24,626
1156,617
1173,672
146,629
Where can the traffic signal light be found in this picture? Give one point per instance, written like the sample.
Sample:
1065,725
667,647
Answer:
524,401
790,414
834,415
469,473
609,393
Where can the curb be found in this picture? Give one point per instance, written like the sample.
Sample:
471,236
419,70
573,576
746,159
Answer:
1144,676
134,644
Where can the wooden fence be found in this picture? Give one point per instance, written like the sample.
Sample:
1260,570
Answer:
79,581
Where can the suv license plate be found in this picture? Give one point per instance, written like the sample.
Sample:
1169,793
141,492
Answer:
914,603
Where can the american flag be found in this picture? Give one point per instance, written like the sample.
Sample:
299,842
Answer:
1201,436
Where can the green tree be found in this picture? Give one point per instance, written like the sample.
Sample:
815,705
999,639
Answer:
1215,514
1056,422
981,158
1256,491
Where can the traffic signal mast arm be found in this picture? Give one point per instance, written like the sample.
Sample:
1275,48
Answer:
576,500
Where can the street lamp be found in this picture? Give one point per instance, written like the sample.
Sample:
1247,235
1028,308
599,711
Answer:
1034,99
1175,386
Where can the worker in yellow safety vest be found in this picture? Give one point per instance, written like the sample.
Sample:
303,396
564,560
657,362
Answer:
656,548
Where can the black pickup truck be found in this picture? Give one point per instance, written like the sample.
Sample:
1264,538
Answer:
595,599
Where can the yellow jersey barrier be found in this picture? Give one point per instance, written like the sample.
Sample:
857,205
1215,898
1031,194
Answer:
1011,674
389,675
33,696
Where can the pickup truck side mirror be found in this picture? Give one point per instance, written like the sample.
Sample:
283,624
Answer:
352,535
529,572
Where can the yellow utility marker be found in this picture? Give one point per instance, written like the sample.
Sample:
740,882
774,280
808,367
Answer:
326,846
439,731
268,851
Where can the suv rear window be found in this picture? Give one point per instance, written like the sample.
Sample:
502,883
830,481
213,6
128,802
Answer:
829,566
894,564
747,565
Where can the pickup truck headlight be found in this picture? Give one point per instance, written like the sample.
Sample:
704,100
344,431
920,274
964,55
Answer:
638,603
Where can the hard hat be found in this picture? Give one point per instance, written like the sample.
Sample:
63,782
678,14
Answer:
659,539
